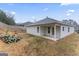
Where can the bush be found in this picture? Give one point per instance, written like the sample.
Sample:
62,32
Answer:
10,38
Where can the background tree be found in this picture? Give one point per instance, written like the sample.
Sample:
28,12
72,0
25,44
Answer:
7,19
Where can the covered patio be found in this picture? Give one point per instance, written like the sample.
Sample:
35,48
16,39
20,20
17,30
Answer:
50,31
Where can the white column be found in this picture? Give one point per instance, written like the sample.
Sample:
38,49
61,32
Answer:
54,31
60,31
39,30
51,31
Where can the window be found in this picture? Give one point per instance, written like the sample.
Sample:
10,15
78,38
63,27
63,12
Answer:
37,29
68,29
48,29
52,30
63,28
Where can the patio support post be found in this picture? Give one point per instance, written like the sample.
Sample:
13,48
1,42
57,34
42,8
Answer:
54,31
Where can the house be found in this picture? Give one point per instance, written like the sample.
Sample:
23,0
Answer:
50,28
23,24
72,22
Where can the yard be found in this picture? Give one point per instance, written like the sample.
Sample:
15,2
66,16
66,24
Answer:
34,45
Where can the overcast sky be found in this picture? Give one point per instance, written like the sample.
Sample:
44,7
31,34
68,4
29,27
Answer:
34,12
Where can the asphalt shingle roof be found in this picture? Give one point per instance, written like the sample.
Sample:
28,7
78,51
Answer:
47,21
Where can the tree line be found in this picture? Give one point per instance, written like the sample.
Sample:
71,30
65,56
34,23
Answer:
7,19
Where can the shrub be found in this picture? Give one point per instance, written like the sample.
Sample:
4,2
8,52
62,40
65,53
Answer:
10,38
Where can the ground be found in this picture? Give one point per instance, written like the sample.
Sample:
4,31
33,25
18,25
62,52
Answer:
34,45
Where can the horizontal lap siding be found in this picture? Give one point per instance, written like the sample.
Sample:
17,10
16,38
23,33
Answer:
65,32
33,30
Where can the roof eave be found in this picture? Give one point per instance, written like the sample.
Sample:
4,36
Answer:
49,23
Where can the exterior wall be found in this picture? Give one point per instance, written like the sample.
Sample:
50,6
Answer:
65,32
43,31
58,31
33,30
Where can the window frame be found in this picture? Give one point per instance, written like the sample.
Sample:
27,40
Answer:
49,30
37,29
52,30
68,29
62,28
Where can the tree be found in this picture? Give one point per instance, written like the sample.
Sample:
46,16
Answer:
6,19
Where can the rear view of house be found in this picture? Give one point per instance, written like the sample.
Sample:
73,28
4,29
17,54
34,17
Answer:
50,28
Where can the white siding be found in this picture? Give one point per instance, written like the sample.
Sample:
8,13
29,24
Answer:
33,30
58,31
44,32
65,32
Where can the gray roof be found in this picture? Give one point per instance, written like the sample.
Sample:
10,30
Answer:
47,21
24,24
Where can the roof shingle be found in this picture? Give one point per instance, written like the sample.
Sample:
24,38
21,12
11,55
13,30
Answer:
47,21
